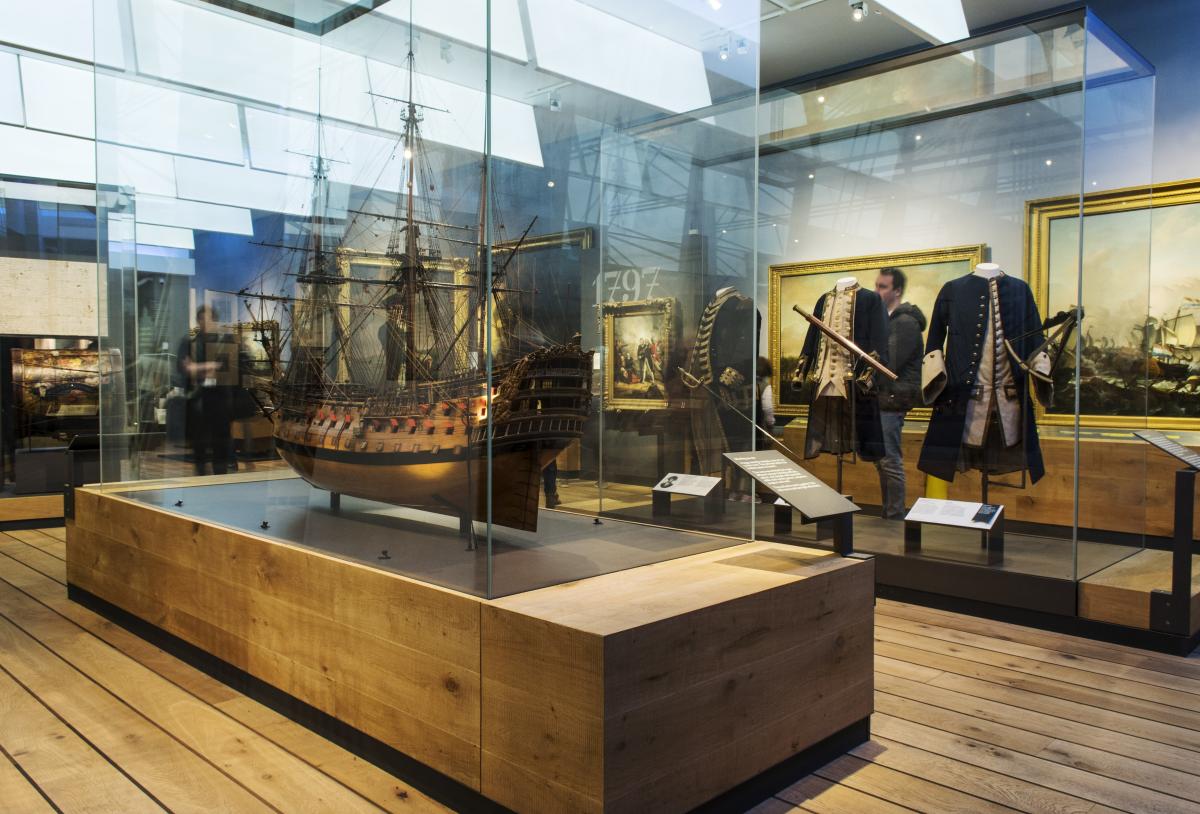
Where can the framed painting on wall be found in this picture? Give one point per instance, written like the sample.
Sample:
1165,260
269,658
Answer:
1140,340
803,284
638,342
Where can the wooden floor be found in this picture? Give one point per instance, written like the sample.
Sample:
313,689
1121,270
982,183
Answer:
971,716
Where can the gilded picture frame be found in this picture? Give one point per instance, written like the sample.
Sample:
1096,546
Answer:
803,283
639,338
1130,378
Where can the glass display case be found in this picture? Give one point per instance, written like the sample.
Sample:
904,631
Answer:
360,267
912,174
489,301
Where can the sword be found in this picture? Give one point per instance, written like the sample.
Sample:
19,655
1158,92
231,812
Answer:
846,343
692,382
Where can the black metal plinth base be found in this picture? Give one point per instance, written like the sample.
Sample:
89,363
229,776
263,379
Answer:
774,780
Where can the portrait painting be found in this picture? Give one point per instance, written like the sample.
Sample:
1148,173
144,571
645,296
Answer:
638,338
805,283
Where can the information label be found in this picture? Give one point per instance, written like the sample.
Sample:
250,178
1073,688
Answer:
779,474
1170,447
695,485
958,513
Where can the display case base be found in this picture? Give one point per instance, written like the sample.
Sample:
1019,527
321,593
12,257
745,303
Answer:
657,688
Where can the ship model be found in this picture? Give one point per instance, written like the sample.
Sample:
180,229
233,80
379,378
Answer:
394,388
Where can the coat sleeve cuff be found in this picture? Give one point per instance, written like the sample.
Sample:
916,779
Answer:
933,376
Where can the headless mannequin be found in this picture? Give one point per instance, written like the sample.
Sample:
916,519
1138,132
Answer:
848,282
988,270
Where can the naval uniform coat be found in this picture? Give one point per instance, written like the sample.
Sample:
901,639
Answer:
871,334
956,330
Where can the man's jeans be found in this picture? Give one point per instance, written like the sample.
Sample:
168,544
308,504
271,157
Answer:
891,466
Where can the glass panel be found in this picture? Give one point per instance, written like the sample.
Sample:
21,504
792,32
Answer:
1131,363
291,227
927,165
619,248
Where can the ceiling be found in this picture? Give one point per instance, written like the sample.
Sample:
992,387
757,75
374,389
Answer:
819,35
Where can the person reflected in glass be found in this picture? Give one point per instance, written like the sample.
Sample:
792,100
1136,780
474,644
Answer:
905,326
207,366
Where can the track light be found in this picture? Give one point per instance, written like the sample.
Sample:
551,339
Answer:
555,103
858,10
715,5
724,52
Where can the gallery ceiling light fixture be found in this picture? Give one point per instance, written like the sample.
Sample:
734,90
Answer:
550,184
724,53
820,100
715,5
858,10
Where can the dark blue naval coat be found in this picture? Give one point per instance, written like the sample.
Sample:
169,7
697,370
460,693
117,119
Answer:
957,326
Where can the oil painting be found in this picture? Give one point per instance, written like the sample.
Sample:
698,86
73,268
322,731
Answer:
638,338
1140,344
803,284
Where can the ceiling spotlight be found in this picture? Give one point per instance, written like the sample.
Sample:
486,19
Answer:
858,10
1049,162
917,137
715,5
820,100
550,184
408,153
447,56
555,103
811,176
724,52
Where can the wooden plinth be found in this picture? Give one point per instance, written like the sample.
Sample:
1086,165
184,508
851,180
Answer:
31,507
1123,484
1120,594
654,689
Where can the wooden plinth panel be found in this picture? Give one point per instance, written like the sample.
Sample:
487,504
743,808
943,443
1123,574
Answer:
393,657
1123,484
652,689
31,507
1120,594
658,688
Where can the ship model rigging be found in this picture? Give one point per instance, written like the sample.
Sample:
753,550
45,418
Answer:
394,388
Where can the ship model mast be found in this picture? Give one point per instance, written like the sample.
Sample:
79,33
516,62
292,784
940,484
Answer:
407,413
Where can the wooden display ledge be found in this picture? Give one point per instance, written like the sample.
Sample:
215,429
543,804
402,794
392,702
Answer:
1123,483
31,507
1120,594
652,689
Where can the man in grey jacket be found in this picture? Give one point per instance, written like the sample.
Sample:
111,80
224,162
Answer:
905,346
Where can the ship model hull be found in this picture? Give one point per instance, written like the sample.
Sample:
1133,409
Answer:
431,451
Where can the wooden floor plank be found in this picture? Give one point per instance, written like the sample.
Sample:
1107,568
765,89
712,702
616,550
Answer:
1103,699
174,775
1072,645
271,773
1043,654
17,791
1076,782
997,786
903,789
43,542
57,532
1073,731
1068,675
35,558
1124,768
371,782
62,764
820,796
